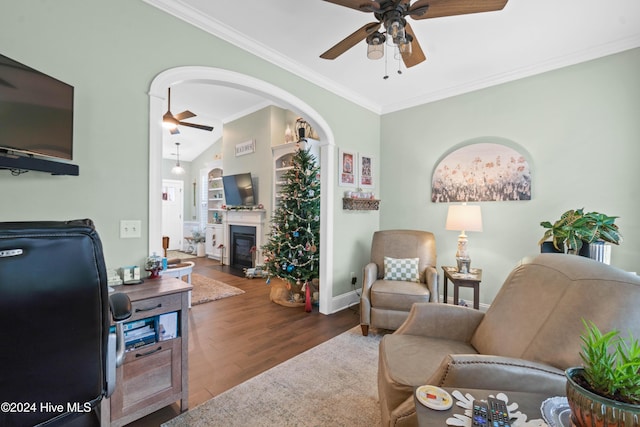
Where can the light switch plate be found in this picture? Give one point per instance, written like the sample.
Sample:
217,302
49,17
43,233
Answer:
130,228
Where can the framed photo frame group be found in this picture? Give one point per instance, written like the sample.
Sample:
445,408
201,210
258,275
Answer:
355,169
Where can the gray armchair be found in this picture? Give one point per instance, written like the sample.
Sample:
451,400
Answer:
386,303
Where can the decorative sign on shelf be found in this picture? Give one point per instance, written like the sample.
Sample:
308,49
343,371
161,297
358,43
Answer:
246,147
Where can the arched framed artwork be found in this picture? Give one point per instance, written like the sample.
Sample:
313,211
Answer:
479,172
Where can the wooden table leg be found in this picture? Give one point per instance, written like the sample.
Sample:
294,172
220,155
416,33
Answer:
455,293
446,287
476,296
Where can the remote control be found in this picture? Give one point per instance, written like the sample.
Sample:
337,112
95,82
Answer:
492,413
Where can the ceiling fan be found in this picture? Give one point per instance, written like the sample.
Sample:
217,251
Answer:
391,15
172,121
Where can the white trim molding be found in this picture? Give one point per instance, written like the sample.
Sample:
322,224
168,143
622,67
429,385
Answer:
222,77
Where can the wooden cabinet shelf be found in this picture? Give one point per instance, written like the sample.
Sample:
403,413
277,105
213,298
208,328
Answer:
154,375
351,204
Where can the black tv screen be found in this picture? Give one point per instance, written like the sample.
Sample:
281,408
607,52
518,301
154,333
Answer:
36,112
238,190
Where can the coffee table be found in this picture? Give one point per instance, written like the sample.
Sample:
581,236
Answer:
528,403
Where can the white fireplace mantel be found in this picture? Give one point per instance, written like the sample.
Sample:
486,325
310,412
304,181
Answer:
250,218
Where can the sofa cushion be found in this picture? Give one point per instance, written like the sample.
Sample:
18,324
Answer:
524,303
537,312
597,294
398,295
404,269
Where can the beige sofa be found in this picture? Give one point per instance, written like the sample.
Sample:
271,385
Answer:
524,342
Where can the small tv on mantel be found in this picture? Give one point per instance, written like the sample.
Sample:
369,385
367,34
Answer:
239,190
36,120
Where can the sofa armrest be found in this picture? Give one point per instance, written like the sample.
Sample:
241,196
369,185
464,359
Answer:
498,373
369,275
438,320
431,276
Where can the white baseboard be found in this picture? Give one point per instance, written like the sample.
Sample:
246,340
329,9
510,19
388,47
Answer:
343,301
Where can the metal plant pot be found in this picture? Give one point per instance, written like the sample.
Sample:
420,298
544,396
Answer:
591,410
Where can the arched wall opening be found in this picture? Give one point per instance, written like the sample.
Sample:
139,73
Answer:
217,76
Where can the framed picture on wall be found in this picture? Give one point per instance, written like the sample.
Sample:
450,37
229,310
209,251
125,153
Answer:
347,169
481,172
365,171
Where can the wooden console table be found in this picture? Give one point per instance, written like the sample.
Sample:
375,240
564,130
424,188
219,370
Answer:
469,280
154,375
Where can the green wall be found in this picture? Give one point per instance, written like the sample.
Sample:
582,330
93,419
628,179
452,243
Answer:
110,51
579,127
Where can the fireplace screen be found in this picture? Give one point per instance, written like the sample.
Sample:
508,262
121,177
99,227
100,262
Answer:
243,242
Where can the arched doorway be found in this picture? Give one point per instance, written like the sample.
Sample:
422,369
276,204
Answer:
217,76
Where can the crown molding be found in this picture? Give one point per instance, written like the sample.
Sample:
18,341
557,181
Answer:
192,16
219,29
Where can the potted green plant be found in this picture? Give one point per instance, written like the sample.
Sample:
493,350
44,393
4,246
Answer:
606,391
574,228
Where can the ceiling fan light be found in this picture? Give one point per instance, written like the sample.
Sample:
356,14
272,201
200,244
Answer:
395,29
405,47
375,45
375,51
177,169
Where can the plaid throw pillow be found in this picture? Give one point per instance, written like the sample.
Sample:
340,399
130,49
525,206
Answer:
401,269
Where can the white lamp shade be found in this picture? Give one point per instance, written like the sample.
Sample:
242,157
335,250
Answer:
464,218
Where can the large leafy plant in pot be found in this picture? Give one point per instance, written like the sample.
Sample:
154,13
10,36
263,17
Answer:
606,391
575,228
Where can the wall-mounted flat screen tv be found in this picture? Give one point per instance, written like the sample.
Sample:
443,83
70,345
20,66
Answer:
239,190
36,112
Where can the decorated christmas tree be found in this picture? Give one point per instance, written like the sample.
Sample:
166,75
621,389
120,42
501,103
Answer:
292,252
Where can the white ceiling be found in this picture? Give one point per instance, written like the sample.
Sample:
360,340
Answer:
464,53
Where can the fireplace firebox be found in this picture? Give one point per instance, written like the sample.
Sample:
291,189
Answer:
243,243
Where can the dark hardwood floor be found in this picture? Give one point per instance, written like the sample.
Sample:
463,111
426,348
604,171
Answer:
237,338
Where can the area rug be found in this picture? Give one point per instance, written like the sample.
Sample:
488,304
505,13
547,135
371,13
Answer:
206,289
179,255
332,384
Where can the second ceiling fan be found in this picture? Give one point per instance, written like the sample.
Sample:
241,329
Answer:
391,14
172,121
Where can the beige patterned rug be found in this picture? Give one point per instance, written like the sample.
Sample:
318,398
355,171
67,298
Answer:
206,289
332,384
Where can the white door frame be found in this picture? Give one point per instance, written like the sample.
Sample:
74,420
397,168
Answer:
218,76
180,185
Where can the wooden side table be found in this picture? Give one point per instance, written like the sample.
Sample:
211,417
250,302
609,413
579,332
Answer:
469,280
154,375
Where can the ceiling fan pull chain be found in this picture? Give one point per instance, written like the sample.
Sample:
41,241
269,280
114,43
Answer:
386,64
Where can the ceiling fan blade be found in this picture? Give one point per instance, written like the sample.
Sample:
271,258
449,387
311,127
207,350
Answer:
361,5
351,40
424,9
417,55
193,125
184,115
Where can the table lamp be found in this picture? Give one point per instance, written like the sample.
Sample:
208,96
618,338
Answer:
463,218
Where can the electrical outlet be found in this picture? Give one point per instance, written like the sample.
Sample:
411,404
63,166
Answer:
354,279
130,229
